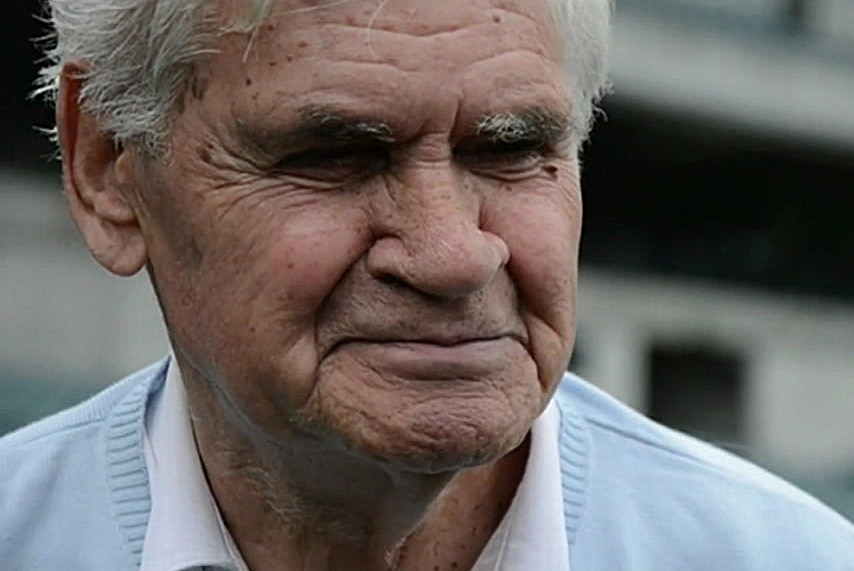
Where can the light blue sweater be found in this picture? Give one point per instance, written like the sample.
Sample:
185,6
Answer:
74,494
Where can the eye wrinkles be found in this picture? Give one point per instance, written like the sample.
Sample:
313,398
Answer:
511,145
328,144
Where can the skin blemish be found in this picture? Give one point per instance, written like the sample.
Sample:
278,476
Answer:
195,252
248,81
198,87
302,44
496,18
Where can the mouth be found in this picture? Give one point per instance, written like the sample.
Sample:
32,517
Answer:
434,358
426,340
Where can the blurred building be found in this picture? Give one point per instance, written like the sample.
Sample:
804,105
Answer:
718,289
717,293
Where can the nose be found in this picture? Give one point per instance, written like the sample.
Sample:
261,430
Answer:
431,238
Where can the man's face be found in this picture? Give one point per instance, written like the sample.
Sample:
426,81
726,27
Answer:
367,227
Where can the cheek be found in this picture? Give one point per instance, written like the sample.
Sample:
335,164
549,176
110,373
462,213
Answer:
283,257
542,231
278,282
247,309
304,258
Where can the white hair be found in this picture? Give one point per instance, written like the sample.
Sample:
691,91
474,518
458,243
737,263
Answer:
139,56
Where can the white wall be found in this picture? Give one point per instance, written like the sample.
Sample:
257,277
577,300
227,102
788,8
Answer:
800,357
836,19
61,315
766,9
788,88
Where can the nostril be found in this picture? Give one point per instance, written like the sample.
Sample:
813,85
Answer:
390,280
385,259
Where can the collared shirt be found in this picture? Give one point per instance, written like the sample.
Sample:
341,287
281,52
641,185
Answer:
75,494
186,530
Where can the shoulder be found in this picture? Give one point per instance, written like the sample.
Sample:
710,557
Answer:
89,413
645,485
60,478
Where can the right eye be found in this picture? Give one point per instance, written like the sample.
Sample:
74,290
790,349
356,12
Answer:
336,163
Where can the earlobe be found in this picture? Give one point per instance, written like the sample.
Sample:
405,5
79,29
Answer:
98,180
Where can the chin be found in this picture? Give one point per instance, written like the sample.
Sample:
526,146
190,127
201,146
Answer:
425,426
442,441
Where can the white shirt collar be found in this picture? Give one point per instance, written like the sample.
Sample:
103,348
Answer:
185,529
532,534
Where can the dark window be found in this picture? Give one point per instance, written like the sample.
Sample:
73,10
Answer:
698,389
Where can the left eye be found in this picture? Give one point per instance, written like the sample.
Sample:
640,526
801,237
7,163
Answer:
502,158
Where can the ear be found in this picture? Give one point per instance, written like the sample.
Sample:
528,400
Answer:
99,182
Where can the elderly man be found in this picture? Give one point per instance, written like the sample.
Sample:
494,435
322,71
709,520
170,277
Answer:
361,219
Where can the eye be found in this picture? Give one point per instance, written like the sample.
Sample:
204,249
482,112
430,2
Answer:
335,163
502,159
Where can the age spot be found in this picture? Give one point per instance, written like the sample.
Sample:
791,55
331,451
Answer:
198,87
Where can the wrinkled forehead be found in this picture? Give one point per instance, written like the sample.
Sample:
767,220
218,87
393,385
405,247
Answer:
261,17
411,35
393,57
249,15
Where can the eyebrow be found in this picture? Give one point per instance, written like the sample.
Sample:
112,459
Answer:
530,125
322,125
317,125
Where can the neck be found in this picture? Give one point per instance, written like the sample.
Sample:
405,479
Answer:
307,505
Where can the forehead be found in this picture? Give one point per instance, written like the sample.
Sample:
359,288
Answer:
413,58
414,17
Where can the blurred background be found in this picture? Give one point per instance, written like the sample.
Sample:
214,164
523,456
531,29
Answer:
717,283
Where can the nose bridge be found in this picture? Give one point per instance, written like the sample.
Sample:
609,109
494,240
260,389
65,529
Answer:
438,208
435,221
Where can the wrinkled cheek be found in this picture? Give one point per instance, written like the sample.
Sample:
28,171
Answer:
555,319
277,386
263,362
265,326
550,349
544,268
